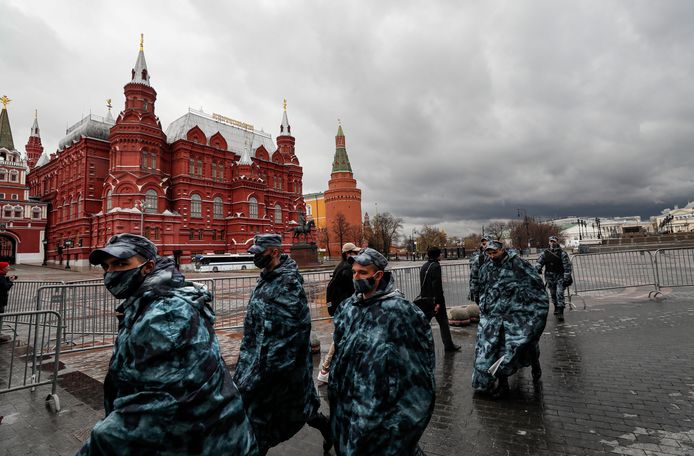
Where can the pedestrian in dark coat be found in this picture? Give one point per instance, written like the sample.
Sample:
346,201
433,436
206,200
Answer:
275,368
432,286
6,282
167,391
557,266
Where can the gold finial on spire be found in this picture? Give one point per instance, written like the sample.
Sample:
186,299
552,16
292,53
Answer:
108,104
285,104
142,41
5,101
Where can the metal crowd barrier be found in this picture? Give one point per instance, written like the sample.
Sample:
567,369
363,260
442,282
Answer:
616,270
674,267
30,345
22,295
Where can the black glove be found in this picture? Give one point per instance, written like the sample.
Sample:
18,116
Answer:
568,281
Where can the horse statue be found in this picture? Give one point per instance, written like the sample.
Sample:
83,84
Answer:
304,228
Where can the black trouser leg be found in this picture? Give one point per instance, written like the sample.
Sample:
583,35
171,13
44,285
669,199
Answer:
322,423
442,319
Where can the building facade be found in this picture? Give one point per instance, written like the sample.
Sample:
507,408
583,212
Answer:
22,219
206,185
342,200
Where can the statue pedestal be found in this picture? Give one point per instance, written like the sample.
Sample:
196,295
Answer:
305,254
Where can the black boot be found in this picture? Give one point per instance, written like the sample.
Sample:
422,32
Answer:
322,423
502,388
560,314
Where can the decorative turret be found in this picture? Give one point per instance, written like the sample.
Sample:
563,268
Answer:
34,148
341,160
285,140
140,75
139,94
5,130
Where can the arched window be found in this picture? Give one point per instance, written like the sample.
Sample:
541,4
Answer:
18,211
73,205
191,166
195,205
309,209
109,200
252,207
145,161
154,161
3,175
14,176
151,201
7,211
36,213
278,213
79,206
218,208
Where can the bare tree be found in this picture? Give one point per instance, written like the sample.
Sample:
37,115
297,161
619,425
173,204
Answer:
356,235
497,230
430,236
341,228
384,232
323,238
533,233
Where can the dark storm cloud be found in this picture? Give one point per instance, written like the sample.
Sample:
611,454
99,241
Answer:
455,112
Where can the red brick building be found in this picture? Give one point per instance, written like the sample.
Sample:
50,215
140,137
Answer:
22,219
206,185
342,200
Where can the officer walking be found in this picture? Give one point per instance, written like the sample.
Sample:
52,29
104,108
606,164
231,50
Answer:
167,390
558,269
513,313
381,388
476,263
275,367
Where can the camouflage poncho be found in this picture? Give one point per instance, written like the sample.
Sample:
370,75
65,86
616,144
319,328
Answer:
381,386
512,300
274,372
168,391
476,263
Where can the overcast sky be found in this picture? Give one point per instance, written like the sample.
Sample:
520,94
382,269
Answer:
455,112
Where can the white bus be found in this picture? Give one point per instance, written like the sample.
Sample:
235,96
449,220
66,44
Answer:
223,262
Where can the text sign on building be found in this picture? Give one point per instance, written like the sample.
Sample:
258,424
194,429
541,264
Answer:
230,121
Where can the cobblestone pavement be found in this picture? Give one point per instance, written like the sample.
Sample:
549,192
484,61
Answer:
618,379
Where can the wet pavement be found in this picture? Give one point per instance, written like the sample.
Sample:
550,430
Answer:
618,378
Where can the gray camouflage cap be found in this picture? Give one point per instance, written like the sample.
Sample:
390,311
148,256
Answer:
262,241
494,245
122,246
370,256
553,238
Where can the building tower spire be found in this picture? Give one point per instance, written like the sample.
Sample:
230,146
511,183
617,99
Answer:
341,160
34,148
5,130
285,140
285,128
140,75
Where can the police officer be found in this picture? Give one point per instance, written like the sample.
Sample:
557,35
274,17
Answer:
476,263
513,313
275,368
167,390
381,388
557,266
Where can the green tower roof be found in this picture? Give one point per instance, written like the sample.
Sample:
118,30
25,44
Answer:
5,131
341,160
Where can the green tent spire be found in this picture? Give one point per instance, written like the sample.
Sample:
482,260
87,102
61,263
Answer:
5,130
341,160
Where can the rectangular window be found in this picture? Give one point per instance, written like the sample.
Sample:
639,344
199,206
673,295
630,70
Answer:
199,167
191,167
221,235
191,235
220,172
2,196
214,235
200,235
154,161
15,197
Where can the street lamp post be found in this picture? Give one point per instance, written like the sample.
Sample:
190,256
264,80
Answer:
141,204
597,223
580,235
67,244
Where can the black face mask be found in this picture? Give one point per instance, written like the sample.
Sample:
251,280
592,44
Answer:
261,261
122,284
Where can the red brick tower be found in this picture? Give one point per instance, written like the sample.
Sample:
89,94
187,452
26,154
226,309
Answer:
34,148
342,197
137,162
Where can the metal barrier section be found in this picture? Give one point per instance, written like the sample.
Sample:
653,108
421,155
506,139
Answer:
455,278
88,311
610,271
675,267
30,352
22,295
